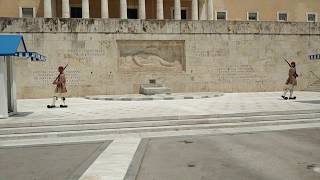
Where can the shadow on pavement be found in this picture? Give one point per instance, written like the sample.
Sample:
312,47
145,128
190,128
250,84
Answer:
21,114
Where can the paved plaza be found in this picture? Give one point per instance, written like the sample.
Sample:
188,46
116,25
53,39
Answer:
82,109
285,155
244,135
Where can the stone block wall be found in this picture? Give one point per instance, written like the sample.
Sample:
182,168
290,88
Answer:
115,56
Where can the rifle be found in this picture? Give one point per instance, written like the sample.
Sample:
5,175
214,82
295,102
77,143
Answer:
59,74
286,61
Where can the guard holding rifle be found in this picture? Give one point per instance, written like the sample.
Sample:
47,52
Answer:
60,89
291,81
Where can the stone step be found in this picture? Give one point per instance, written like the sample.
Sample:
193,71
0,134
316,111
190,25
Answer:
314,85
155,129
316,82
152,123
313,89
244,116
121,123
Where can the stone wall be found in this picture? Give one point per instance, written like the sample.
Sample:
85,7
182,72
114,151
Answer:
116,56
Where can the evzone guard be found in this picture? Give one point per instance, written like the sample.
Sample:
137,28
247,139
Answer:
291,81
60,90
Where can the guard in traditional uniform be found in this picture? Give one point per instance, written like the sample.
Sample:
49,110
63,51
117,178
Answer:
291,82
60,90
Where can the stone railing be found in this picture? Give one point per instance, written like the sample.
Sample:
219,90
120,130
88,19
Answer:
57,25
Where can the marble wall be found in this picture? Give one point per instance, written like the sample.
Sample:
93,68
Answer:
117,56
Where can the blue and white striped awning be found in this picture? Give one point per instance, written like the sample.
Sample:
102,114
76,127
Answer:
14,45
32,55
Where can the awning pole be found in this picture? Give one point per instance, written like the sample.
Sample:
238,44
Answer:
11,89
3,89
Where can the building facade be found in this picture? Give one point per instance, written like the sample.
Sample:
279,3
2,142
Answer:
233,10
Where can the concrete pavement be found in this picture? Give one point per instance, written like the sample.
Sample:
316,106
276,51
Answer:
49,161
285,155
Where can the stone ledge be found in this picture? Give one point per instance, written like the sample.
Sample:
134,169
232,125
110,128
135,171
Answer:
140,97
61,25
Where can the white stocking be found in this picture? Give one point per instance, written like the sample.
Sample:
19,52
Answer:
54,100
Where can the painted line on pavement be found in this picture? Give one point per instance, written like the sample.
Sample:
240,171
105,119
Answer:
114,162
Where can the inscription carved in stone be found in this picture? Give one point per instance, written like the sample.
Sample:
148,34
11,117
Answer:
237,72
151,55
45,78
81,54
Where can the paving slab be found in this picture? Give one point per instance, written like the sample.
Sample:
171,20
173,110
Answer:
285,155
48,161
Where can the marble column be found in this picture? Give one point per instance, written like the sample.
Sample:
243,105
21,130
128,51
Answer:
177,10
85,9
160,9
142,9
210,10
47,9
104,9
54,8
65,9
123,9
202,9
195,15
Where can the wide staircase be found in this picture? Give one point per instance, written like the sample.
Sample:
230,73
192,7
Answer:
69,128
315,87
